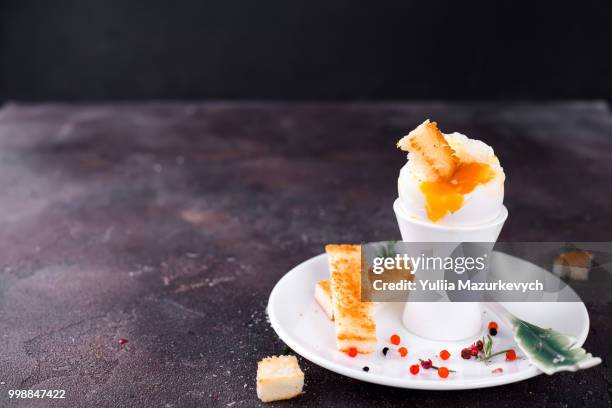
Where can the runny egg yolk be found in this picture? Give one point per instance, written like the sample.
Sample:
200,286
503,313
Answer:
446,196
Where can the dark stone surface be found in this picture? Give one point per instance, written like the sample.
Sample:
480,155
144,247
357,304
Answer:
169,224
436,49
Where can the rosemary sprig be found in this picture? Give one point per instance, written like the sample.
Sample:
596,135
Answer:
487,353
388,250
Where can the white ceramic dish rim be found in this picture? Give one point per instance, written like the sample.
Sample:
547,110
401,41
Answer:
414,383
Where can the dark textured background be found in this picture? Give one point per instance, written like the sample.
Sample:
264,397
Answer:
234,49
169,224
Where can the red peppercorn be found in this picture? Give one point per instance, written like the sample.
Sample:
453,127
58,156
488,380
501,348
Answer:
403,351
426,364
465,353
123,341
473,350
480,345
492,325
352,352
414,369
510,355
444,354
395,339
443,372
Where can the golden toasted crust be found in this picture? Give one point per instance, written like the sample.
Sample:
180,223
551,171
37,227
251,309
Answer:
429,145
275,366
343,249
576,258
355,326
326,286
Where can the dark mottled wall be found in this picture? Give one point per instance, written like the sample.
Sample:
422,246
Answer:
318,49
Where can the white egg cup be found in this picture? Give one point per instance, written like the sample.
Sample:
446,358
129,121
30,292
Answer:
445,321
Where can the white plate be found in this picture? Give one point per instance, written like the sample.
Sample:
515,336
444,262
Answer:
303,326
